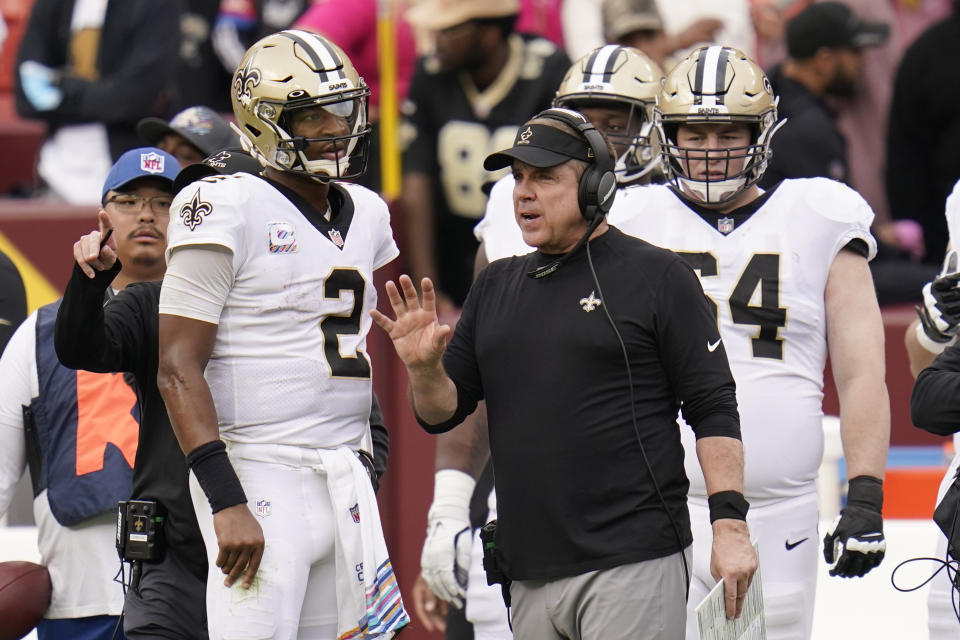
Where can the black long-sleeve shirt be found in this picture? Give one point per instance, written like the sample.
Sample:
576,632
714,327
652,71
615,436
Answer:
123,336
924,131
935,401
573,491
13,300
809,145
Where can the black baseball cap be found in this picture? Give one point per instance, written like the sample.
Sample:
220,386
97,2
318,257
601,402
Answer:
223,163
203,127
832,25
542,146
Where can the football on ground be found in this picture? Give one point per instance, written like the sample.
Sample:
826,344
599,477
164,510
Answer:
24,597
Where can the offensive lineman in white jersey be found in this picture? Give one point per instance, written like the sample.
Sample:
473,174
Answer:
264,314
787,270
615,88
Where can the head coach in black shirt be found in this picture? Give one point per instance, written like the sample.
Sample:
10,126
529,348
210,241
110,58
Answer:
584,352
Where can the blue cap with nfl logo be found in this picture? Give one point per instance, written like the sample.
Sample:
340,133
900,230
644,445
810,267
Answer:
141,163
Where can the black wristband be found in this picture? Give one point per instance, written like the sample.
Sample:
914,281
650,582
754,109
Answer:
216,476
728,504
866,492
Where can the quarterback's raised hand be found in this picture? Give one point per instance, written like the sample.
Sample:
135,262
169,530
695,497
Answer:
855,544
96,251
940,312
417,334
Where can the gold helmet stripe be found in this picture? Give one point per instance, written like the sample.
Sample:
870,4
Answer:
328,64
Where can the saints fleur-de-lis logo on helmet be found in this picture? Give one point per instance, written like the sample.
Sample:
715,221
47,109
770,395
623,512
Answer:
244,81
192,212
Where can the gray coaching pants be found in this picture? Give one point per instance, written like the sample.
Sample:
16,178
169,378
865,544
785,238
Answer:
640,601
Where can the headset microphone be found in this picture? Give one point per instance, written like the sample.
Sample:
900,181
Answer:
547,269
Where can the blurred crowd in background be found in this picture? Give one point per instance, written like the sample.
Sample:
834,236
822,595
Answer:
78,76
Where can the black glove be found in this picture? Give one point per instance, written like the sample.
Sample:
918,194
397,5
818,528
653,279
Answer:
855,544
940,312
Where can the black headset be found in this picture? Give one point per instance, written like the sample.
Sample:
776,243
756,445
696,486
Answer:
598,184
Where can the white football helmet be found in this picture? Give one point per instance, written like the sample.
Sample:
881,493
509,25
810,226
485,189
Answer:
291,70
716,85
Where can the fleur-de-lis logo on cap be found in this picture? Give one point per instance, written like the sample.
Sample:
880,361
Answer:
524,137
244,81
192,212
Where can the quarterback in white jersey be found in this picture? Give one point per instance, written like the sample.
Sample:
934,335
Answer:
787,272
264,314
292,331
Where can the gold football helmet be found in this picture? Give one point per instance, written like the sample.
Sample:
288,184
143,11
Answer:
716,85
290,71
623,76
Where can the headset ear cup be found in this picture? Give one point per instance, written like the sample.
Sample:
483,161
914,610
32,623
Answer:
606,191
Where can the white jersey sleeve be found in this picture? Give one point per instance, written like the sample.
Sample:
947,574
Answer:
211,211
952,213
18,370
384,247
838,203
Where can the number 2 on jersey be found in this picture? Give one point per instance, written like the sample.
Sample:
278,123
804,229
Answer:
763,273
334,326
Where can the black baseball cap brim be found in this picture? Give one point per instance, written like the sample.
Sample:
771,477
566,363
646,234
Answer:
200,126
540,146
534,156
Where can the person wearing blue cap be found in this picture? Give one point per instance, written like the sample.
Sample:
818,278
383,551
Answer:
168,599
76,431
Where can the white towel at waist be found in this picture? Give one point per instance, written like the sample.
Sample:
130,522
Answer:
368,597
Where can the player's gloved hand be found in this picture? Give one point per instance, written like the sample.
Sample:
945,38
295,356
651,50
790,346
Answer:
445,561
855,544
39,85
940,312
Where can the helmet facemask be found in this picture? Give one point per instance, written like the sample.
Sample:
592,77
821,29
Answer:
716,86
346,136
752,159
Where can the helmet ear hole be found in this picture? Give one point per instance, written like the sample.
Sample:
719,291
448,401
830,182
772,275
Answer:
253,130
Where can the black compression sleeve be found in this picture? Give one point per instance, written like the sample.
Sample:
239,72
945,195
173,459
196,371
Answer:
209,462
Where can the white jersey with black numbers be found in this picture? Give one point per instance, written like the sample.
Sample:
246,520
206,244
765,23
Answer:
767,278
289,364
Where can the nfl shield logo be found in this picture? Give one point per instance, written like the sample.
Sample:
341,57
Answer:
151,162
355,513
263,508
725,225
336,238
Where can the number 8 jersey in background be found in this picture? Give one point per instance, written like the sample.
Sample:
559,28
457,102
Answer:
289,364
764,267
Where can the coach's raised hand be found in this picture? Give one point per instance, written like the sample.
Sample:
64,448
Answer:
420,340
